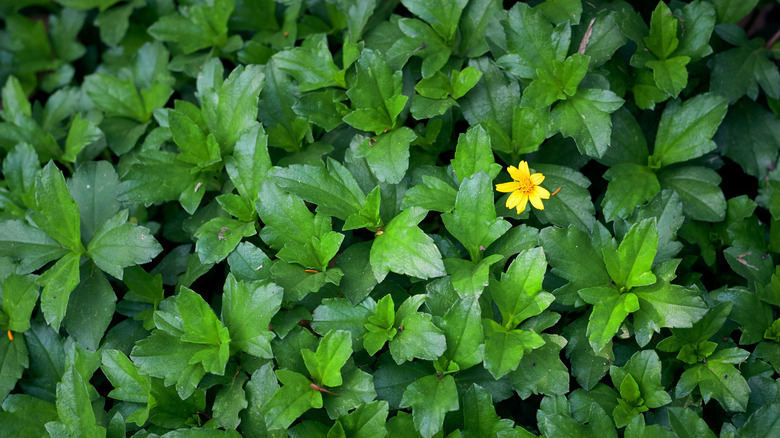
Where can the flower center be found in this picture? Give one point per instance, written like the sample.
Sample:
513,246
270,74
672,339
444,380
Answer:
526,187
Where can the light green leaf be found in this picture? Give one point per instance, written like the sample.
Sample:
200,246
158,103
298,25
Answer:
247,309
404,248
58,283
610,309
629,266
586,118
686,129
57,213
118,244
218,237
670,75
473,221
388,154
504,348
295,397
541,370
375,92
662,40
332,353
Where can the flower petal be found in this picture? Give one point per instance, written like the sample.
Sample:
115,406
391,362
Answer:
508,187
524,172
536,202
514,173
541,192
513,199
537,178
523,202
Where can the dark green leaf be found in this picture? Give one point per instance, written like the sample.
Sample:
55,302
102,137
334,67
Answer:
57,213
90,308
699,191
586,118
629,186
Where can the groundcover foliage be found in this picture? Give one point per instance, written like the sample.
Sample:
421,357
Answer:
257,217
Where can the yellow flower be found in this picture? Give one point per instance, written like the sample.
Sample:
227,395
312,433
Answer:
525,187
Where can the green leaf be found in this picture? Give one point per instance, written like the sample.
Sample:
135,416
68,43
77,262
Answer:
332,353
585,118
81,134
504,348
250,163
90,308
201,326
311,64
74,408
164,356
58,283
417,337
473,221
687,424
463,329
442,15
739,72
15,100
57,212
763,422
229,401
116,97
468,278
541,370
157,177
480,418
295,397
644,368
666,305
367,421
334,190
404,248
493,98
247,309
196,148
610,309
340,314
629,186
94,188
718,379
388,154
583,270
629,266
218,237
670,75
432,194
20,294
25,415
14,360
750,136
754,316
530,35
118,244
662,40
430,398
285,129
129,385
380,325
285,216
323,108
699,191
195,27
33,247
686,129
519,294
357,389
730,11
229,108
375,92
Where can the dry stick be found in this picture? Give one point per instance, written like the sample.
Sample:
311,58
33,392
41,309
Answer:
586,37
772,40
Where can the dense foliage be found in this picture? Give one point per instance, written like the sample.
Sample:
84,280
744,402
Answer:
259,217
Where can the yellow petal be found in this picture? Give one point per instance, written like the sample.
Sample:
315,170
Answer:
514,173
536,202
508,187
537,178
541,192
523,202
513,199
524,172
